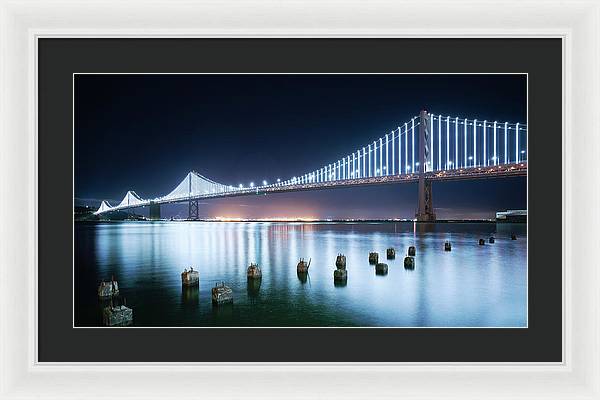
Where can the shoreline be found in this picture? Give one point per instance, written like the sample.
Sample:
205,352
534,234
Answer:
323,221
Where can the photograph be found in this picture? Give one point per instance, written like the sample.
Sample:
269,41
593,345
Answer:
306,200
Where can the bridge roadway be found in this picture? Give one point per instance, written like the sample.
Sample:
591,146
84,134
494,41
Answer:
504,170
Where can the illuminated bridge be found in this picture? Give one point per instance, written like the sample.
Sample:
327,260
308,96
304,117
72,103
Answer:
425,149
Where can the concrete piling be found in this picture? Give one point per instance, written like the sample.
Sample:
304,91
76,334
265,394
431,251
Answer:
302,276
117,316
381,269
190,278
340,275
303,266
481,242
409,262
108,289
412,251
373,257
390,253
447,246
340,261
222,294
254,271
492,239
253,287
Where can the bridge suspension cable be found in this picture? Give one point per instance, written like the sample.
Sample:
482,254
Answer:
469,147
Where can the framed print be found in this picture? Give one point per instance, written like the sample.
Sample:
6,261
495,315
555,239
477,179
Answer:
277,239
388,204
302,254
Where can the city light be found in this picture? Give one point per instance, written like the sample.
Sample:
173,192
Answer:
484,143
447,141
474,142
517,142
251,184
241,186
264,183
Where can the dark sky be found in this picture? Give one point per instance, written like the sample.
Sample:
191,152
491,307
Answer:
146,132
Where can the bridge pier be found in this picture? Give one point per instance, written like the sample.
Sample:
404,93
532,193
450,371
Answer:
154,211
193,210
425,211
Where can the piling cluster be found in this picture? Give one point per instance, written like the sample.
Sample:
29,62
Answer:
114,311
492,239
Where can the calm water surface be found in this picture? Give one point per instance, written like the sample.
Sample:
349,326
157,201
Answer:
470,286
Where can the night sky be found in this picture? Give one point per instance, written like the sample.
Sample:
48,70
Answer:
146,132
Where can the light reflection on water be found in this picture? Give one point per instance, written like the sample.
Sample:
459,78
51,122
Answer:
470,286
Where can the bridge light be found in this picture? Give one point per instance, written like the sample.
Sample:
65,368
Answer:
264,183
522,151
241,186
251,184
417,164
470,157
278,180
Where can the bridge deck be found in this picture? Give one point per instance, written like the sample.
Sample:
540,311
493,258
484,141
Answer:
505,170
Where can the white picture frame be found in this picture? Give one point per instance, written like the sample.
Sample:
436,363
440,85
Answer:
23,22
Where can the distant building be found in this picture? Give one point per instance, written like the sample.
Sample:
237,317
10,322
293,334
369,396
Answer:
511,216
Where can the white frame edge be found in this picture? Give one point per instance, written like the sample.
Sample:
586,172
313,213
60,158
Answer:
22,22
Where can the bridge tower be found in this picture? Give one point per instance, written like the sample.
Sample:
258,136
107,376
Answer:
425,209
154,211
193,210
192,204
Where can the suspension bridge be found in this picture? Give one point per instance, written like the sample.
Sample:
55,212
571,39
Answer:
426,149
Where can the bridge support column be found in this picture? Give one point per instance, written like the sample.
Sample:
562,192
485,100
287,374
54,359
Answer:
193,210
154,211
425,208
